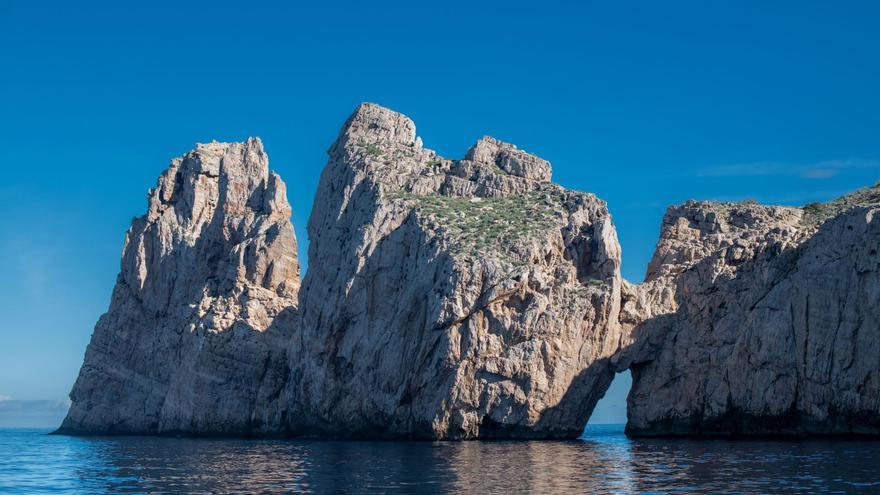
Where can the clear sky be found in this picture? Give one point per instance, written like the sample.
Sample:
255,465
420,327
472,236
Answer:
643,103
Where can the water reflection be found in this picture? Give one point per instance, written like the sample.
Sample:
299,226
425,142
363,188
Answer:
604,461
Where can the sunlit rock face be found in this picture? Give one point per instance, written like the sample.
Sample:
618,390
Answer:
201,313
471,299
759,321
450,299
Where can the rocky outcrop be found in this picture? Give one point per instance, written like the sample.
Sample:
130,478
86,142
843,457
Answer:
473,298
768,322
450,299
192,341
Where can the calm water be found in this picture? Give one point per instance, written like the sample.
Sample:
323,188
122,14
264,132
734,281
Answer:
603,461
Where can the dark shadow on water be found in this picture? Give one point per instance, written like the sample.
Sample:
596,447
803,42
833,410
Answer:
604,460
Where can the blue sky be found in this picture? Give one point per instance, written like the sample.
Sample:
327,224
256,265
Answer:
644,103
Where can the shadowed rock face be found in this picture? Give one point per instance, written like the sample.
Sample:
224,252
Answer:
451,299
191,342
769,322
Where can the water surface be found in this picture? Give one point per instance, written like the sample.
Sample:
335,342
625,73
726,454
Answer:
604,460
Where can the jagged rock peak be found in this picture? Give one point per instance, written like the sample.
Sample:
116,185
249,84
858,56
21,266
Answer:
451,299
191,341
377,124
384,147
223,192
510,159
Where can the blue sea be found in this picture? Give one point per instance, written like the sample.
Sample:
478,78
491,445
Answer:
604,460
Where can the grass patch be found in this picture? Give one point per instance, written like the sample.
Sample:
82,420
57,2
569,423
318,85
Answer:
487,226
370,148
816,213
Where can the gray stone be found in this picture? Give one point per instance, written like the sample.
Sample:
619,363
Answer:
775,324
450,299
473,298
192,341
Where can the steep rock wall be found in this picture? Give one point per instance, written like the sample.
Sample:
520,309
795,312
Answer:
450,299
473,298
770,326
191,342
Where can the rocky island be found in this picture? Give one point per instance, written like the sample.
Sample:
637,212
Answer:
194,340
775,322
474,299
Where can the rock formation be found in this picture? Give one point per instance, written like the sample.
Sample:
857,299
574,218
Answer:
768,322
190,342
451,299
473,298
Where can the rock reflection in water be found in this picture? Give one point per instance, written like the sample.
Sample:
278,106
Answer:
604,461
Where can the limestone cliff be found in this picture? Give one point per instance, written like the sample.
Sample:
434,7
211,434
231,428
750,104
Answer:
450,299
191,341
473,298
769,322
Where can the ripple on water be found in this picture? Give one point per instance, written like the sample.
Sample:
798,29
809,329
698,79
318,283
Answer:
604,460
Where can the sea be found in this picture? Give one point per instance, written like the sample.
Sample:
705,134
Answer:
604,460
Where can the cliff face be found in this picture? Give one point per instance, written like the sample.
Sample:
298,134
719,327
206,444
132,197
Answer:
771,322
191,342
450,299
473,298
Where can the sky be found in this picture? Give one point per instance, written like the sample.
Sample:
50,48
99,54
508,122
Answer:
646,104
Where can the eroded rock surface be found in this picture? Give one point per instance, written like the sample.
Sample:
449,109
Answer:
473,298
192,341
450,299
761,320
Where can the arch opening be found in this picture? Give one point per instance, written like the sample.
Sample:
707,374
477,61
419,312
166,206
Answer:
610,411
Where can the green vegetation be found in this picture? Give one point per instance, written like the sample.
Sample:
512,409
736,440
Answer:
373,150
370,148
498,170
487,226
814,208
816,213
